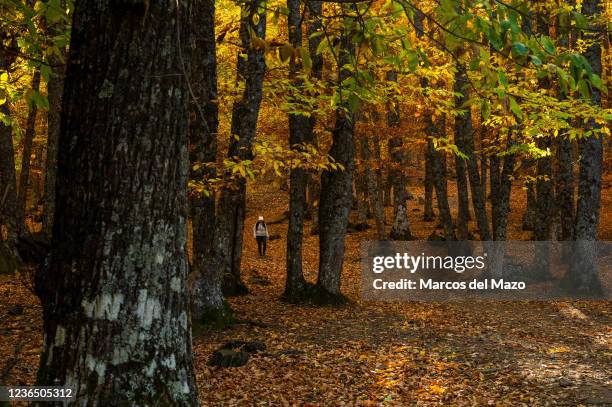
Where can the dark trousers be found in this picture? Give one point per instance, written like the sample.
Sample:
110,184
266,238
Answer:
261,245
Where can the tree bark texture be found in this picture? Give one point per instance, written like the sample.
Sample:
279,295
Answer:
245,112
583,275
206,294
336,186
115,302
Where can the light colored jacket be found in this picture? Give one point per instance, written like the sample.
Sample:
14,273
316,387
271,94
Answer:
262,230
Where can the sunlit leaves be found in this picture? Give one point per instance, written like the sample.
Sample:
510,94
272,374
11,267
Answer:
268,158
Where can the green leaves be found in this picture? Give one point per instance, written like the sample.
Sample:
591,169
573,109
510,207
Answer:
547,44
485,109
519,49
515,108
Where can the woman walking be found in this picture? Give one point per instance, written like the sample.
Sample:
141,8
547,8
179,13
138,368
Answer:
260,233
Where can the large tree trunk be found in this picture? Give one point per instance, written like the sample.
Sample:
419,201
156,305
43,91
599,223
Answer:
115,303
583,275
564,174
336,187
300,132
207,301
245,112
544,192
55,88
28,141
8,179
565,189
543,214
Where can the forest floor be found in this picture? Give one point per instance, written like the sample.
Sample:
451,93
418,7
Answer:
373,353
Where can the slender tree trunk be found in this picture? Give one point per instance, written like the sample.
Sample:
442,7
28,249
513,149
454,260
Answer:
336,193
373,189
383,184
300,132
207,303
28,141
583,275
428,212
8,178
437,130
245,112
315,15
531,204
464,133
361,187
501,205
462,186
115,303
494,185
483,161
400,229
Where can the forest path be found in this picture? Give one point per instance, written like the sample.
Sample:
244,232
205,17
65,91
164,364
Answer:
366,353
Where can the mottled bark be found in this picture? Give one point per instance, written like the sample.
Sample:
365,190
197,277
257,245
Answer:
336,193
300,132
115,303
28,141
207,304
245,112
583,275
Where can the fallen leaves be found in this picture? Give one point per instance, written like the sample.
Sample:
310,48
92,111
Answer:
372,354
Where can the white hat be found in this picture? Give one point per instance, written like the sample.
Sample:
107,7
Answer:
260,218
